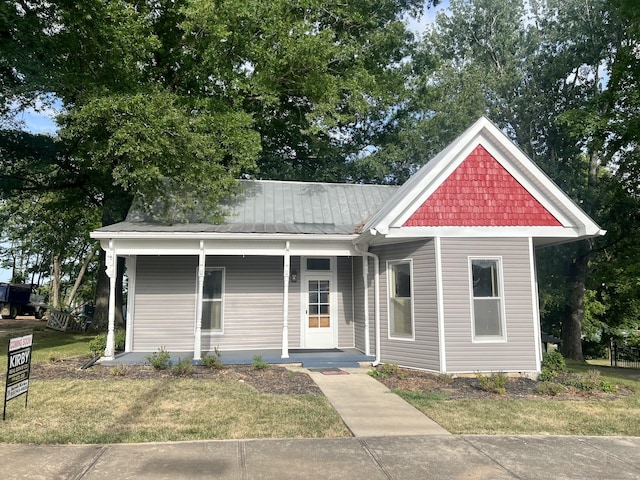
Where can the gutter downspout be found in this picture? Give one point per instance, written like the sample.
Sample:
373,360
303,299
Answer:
376,296
285,302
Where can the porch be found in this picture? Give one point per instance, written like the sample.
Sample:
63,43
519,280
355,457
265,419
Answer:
329,358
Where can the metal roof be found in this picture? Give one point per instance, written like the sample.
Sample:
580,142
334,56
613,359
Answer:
266,206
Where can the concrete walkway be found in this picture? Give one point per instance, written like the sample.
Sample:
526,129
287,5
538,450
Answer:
434,457
369,408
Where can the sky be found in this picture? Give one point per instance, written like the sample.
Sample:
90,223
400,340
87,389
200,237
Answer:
40,120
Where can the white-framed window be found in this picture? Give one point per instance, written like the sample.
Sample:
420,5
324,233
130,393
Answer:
400,305
487,304
212,300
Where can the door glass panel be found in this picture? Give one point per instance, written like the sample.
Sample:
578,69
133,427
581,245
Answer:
319,303
319,264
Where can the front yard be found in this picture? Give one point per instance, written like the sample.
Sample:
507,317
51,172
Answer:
140,404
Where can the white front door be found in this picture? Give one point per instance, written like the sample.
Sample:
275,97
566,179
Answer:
318,302
319,323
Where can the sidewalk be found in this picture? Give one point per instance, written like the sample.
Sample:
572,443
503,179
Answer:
435,457
368,408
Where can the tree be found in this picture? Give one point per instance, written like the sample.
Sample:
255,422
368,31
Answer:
170,102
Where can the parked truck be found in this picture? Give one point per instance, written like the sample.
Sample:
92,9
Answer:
19,299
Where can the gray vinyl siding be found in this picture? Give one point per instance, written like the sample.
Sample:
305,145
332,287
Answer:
421,352
345,302
358,304
165,303
518,353
166,293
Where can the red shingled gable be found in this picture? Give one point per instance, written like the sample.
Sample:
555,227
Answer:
480,192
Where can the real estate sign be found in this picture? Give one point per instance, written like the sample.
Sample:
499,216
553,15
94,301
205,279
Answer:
18,370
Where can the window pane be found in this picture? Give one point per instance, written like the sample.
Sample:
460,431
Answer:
212,315
319,264
401,282
487,317
485,278
400,314
212,285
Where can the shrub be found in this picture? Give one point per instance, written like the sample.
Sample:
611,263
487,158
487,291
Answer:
120,338
445,378
120,370
549,388
183,368
98,344
213,361
384,370
552,364
258,363
496,382
160,359
590,381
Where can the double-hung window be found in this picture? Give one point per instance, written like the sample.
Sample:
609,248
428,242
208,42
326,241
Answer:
212,295
400,299
487,305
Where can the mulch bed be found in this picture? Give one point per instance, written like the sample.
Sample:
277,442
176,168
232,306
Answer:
275,379
279,380
468,388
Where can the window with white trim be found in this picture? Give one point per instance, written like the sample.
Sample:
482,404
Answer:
487,304
400,299
212,293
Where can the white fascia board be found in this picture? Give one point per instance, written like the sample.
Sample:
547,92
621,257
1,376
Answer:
482,232
309,245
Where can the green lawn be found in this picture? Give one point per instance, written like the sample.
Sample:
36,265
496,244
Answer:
540,416
128,410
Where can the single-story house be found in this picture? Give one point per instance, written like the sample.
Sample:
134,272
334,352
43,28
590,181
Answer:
438,274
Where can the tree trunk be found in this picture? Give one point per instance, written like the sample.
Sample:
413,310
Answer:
83,269
55,287
572,324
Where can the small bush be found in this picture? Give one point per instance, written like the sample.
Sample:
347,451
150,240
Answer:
590,381
120,338
213,361
98,344
445,378
258,363
159,360
496,382
552,364
119,370
384,370
550,388
184,368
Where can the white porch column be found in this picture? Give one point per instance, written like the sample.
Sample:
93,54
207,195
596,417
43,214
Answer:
111,270
131,304
285,303
197,345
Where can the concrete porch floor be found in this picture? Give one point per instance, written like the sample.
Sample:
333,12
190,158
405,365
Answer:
338,358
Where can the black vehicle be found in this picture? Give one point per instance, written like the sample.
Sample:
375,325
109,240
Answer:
19,299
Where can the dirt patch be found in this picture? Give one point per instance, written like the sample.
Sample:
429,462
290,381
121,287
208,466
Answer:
468,388
275,379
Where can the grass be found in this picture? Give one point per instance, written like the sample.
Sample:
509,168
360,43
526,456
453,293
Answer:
48,345
537,416
124,410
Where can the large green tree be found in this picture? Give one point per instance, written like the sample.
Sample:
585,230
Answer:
171,101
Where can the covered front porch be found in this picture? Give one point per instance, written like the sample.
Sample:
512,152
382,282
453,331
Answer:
328,358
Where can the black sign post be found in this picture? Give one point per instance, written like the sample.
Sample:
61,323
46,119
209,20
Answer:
18,370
